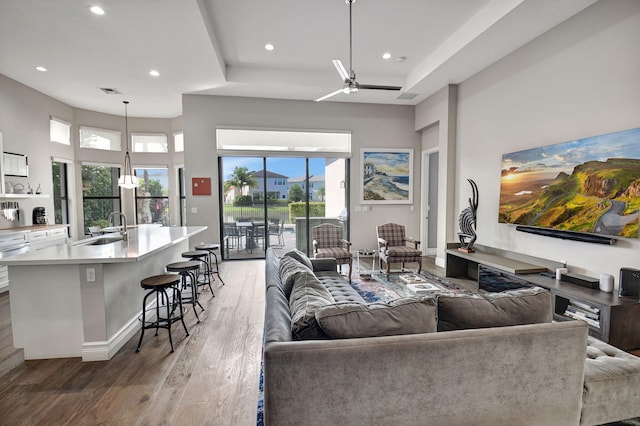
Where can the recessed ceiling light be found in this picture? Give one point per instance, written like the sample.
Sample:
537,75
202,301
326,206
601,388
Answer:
386,55
269,46
154,73
41,68
97,10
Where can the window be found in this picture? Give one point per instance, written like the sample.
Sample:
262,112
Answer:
100,194
108,140
283,140
152,196
182,185
60,131
149,142
60,192
178,141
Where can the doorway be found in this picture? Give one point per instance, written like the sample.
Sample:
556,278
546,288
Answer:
274,202
429,197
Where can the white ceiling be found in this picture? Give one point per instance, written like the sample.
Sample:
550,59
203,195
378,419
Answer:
217,47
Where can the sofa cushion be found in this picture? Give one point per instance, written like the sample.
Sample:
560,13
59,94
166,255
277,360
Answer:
340,289
290,268
515,307
409,315
300,257
308,294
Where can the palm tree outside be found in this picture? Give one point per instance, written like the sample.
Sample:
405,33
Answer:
240,178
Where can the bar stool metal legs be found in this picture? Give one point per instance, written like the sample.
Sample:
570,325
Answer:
211,248
188,270
202,256
158,286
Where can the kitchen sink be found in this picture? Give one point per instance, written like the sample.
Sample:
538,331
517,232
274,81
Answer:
104,240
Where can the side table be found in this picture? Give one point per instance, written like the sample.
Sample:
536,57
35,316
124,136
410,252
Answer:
370,253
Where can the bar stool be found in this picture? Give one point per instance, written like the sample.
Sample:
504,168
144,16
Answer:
203,257
211,248
188,271
158,286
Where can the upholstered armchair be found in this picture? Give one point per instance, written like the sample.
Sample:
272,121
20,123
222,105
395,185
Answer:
328,242
393,246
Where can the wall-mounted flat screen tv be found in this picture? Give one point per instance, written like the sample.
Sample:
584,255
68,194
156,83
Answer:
590,185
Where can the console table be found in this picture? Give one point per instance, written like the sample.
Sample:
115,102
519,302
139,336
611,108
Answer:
615,320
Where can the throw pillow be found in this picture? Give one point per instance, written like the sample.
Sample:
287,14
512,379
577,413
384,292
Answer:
516,307
308,294
300,257
289,270
409,315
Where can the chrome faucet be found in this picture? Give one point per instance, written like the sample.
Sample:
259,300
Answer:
124,222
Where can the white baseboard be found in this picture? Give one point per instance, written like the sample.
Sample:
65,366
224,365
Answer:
105,350
440,262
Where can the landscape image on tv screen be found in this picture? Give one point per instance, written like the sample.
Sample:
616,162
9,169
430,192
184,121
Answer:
588,185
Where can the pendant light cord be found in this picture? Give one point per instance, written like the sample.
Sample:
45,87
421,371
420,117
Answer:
126,124
351,73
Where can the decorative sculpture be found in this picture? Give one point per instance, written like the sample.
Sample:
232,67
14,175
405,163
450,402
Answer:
467,221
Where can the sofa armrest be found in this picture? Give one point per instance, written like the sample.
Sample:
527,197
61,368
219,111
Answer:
324,264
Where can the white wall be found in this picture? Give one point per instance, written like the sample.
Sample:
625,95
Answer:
372,126
24,122
580,79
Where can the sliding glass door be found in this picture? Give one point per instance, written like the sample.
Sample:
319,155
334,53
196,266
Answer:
275,201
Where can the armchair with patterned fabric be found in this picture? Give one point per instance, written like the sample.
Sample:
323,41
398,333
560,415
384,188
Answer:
328,242
393,246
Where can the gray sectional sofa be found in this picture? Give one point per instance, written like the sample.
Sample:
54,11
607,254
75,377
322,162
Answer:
330,358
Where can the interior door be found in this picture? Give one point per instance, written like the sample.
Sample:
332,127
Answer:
429,209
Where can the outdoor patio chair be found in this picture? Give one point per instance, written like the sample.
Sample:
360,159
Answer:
276,229
393,246
328,242
232,234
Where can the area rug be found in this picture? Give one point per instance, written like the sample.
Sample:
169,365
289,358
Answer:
260,411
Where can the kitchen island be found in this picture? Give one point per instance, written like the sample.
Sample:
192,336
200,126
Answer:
83,299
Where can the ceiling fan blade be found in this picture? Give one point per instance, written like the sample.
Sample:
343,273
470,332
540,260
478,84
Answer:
377,87
341,70
329,95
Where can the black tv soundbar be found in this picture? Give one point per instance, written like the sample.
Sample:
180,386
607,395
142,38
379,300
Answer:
567,235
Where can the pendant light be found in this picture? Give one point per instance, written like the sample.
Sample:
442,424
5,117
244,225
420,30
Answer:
127,180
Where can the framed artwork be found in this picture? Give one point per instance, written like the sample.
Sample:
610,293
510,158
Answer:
386,176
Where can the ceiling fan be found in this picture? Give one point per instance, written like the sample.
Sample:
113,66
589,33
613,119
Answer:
351,85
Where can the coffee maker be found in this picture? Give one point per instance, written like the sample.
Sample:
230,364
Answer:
39,216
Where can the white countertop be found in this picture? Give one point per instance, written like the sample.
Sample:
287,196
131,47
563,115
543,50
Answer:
142,241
